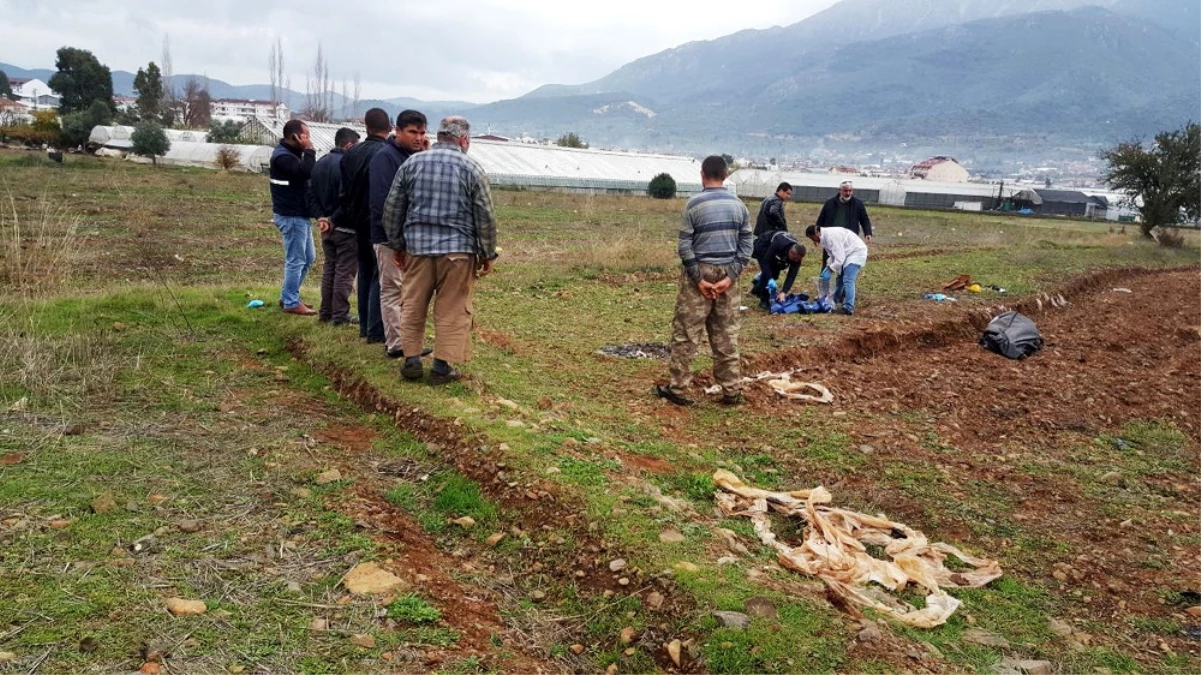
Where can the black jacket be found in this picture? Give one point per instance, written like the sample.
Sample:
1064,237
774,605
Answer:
771,250
382,172
354,210
325,185
290,169
771,216
858,215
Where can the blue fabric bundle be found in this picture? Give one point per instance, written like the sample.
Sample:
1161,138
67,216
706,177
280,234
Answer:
799,303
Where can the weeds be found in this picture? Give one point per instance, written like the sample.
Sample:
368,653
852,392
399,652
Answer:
39,255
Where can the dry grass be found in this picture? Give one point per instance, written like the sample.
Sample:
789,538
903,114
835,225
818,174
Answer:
627,253
60,371
40,251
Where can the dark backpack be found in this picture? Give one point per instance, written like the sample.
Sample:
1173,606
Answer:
1011,335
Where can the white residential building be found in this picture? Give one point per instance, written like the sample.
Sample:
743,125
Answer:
243,110
34,93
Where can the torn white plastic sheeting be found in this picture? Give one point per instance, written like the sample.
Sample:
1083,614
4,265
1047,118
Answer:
784,386
835,550
765,375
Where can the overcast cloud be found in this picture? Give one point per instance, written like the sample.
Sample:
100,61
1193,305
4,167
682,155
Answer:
474,50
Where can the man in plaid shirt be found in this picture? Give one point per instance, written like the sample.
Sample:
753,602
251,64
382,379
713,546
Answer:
441,228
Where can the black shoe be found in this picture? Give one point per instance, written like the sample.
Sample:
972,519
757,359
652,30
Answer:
453,375
730,399
400,353
373,340
670,394
348,321
412,370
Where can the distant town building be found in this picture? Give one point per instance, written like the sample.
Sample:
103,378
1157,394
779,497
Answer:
244,110
940,170
125,103
844,170
12,113
33,93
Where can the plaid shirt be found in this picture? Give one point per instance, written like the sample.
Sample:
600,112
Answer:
440,203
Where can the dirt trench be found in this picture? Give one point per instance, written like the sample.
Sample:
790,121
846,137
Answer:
529,503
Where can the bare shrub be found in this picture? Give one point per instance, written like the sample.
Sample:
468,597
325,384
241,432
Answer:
1168,237
40,250
228,157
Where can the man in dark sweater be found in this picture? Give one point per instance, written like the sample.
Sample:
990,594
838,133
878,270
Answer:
846,210
771,211
774,251
354,212
337,243
290,168
410,139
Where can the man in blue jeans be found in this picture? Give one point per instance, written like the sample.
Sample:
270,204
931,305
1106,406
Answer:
846,255
291,166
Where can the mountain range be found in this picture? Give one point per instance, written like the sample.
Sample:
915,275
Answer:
899,71
949,74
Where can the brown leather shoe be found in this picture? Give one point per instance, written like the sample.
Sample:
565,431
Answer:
300,310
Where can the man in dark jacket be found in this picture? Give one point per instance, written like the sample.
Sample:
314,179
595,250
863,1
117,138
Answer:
290,168
410,139
846,210
775,251
337,243
354,212
771,211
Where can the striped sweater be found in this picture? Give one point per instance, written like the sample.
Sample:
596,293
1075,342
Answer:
715,230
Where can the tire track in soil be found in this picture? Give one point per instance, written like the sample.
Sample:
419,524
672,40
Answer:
536,503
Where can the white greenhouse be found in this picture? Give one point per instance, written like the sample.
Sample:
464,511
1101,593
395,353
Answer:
534,166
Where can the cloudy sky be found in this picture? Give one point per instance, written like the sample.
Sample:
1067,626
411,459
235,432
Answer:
474,50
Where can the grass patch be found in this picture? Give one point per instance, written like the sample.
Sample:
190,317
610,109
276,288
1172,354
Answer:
412,608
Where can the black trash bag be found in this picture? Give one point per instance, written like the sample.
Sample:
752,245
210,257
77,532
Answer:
1011,335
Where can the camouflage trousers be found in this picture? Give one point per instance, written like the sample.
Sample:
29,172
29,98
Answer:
695,315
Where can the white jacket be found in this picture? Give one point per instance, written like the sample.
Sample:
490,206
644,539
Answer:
843,247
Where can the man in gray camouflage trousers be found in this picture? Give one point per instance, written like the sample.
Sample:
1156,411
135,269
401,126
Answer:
715,244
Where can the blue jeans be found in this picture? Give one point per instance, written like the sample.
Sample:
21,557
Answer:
299,255
844,291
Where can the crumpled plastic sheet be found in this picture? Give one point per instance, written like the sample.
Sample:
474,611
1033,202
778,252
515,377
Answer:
834,550
782,384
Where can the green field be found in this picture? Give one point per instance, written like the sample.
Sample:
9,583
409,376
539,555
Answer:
132,372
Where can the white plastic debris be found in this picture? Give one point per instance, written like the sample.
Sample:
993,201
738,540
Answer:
835,550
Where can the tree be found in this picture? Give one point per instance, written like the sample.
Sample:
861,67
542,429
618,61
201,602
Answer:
149,85
80,80
169,94
570,140
228,131
1166,176
6,87
149,140
662,186
77,126
275,63
318,96
195,105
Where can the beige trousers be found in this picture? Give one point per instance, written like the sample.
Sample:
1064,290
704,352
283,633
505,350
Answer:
449,281
391,280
